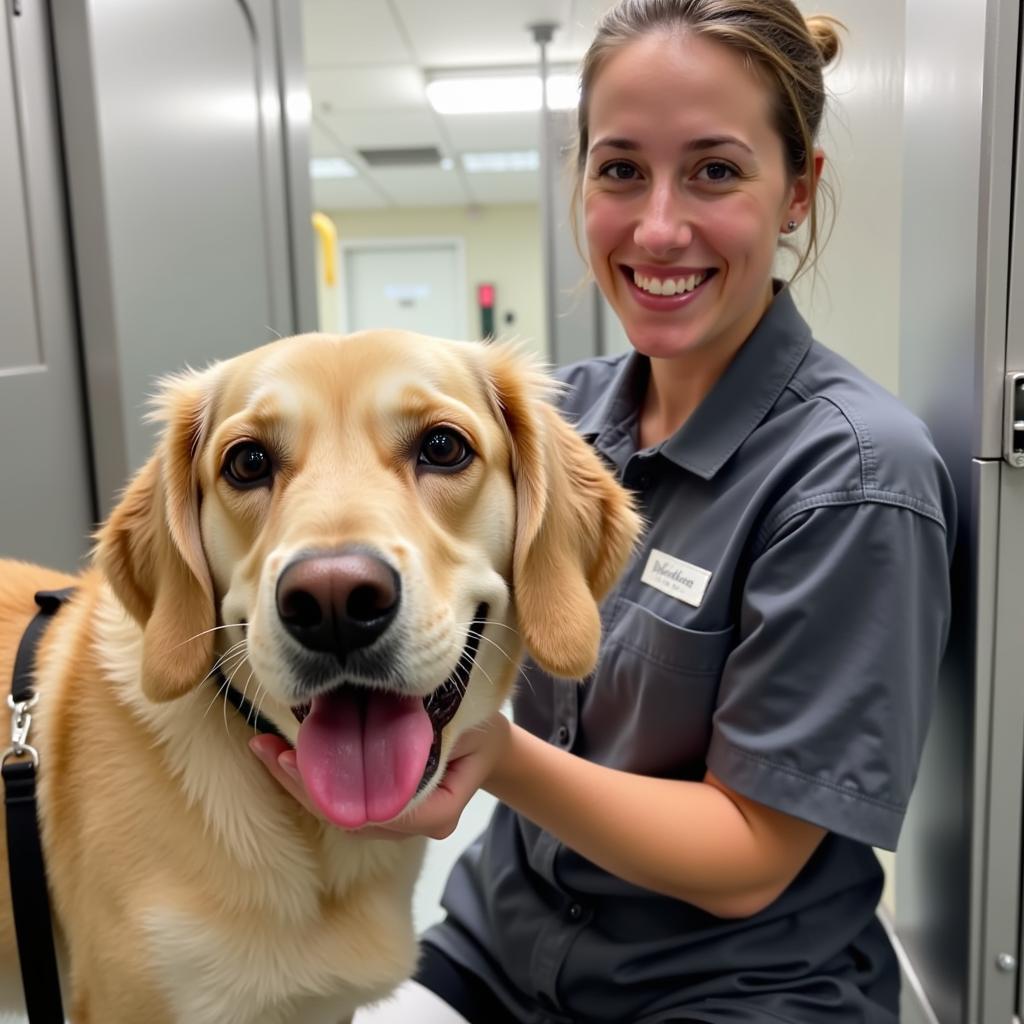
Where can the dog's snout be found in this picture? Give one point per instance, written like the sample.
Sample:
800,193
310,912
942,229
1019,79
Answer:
339,602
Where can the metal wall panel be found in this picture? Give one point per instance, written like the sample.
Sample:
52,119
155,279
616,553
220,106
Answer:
176,146
957,898
47,512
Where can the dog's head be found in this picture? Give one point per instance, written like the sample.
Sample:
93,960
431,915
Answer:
371,527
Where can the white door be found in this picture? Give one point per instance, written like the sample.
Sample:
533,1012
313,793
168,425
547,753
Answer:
415,287
46,489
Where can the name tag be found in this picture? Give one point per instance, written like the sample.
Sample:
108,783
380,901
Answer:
676,578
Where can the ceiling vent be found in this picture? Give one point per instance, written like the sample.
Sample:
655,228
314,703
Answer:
419,156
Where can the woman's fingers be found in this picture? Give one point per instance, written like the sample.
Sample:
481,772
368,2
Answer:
279,759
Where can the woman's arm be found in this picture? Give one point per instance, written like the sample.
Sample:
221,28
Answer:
695,841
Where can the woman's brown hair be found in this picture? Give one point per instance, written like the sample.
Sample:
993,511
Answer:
772,37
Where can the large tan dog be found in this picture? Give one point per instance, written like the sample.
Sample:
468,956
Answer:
325,519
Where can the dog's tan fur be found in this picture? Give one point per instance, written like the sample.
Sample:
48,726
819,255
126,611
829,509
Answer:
187,886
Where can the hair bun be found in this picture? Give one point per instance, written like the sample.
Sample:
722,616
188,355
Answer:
824,32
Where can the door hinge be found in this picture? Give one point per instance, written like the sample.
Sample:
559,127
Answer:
1013,407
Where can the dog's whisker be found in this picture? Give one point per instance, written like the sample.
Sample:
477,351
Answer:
253,715
514,661
488,623
222,687
237,646
486,674
213,700
259,708
245,689
494,643
212,629
232,652
230,680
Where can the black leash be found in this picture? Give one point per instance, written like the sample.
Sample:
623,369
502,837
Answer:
30,898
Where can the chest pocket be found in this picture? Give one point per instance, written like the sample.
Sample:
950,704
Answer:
648,707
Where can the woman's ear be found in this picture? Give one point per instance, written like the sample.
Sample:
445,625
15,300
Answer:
575,525
151,551
802,193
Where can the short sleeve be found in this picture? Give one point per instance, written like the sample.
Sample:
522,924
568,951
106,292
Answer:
824,703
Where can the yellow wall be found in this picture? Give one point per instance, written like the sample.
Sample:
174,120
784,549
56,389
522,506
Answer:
502,245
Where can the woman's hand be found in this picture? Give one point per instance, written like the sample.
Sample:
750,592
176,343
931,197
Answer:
472,760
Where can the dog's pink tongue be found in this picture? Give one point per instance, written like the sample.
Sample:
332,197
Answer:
362,759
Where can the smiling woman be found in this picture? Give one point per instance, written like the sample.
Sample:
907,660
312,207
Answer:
754,723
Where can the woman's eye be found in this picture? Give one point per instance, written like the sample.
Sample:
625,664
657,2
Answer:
717,172
444,448
247,465
618,170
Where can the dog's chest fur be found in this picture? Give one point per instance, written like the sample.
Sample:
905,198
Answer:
233,905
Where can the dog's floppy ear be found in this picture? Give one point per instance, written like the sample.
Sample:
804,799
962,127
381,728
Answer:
151,551
575,525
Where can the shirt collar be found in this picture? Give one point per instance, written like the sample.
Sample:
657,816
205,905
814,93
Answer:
738,402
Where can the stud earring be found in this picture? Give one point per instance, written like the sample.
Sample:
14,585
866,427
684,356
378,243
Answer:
792,226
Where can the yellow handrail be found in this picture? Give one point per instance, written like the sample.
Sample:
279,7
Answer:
327,232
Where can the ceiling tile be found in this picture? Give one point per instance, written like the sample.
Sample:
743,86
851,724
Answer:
363,129
361,63
338,32
384,87
478,132
459,33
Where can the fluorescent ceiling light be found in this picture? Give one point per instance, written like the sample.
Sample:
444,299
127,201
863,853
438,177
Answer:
500,94
477,163
331,167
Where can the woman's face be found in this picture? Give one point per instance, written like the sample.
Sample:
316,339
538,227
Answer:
685,193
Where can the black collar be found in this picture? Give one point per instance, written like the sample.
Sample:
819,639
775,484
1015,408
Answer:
259,722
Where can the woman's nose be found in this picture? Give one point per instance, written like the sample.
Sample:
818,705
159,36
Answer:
664,223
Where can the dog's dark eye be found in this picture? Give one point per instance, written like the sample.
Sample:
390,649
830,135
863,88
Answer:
247,465
444,448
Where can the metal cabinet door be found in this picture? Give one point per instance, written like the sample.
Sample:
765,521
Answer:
182,170
46,498
959,867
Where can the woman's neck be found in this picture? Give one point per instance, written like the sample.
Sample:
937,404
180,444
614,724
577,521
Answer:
678,385
675,388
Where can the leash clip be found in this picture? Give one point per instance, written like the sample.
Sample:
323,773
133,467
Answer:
21,722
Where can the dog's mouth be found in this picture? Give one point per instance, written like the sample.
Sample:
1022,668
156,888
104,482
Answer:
363,754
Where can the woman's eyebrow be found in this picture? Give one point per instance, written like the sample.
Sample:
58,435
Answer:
707,142
713,141
614,143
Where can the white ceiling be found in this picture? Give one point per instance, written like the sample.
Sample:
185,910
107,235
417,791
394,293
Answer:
366,65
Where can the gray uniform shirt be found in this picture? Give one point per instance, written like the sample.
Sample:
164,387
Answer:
782,625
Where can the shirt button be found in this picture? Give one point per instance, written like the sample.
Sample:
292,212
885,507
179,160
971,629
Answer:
563,734
575,911
643,481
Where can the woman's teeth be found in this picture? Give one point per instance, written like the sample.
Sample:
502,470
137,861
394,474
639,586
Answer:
669,285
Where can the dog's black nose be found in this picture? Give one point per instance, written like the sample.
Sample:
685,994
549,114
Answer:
338,602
